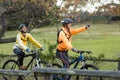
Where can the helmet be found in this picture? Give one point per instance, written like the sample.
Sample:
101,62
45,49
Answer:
21,25
66,21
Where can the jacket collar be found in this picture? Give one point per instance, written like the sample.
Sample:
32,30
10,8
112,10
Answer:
65,30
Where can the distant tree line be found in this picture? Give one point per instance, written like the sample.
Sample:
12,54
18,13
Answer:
33,13
38,13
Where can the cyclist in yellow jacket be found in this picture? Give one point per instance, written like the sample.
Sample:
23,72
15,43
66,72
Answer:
64,41
21,45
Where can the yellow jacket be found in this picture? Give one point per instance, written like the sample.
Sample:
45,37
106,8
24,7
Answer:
65,43
22,42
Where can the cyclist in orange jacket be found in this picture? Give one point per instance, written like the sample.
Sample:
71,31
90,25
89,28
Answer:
21,45
64,40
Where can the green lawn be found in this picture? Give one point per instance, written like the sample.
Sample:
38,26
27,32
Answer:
100,39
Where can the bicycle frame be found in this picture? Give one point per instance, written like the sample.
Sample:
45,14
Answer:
77,60
34,56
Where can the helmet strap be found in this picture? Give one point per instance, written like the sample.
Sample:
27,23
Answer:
64,25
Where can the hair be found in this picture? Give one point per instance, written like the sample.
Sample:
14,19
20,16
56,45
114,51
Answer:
65,25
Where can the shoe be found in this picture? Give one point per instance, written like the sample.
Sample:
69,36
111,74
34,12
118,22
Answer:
22,67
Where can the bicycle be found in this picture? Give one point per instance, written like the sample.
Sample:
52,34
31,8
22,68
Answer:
14,65
84,66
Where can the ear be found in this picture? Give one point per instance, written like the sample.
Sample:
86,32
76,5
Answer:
20,30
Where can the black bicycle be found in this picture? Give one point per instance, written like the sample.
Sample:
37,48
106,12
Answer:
84,66
14,65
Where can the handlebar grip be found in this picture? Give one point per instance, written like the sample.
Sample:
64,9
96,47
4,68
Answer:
89,52
36,50
81,51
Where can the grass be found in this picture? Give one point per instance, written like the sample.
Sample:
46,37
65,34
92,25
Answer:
100,39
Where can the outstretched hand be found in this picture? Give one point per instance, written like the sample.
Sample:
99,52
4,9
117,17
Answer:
87,26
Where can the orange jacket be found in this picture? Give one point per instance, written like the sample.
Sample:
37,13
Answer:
63,38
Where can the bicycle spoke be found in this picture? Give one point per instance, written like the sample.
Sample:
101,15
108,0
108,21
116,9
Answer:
10,64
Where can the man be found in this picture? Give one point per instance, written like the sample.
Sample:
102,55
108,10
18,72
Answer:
21,45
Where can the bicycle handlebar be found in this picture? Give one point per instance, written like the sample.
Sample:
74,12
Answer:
36,50
88,52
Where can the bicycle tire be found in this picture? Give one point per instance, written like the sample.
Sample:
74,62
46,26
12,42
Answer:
88,67
11,64
41,64
57,77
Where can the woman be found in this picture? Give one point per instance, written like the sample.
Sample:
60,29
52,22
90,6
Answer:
64,41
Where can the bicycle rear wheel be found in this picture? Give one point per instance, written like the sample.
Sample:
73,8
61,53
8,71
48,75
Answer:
41,64
87,67
10,65
57,77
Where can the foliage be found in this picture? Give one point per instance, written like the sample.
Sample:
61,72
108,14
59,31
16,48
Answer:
108,10
34,13
100,39
49,53
97,60
38,13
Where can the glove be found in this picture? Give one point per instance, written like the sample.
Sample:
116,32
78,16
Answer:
75,50
87,26
27,50
42,48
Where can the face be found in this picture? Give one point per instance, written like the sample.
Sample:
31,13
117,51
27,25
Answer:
24,29
69,25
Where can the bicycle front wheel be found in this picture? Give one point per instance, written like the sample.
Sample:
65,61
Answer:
41,64
88,67
10,65
57,77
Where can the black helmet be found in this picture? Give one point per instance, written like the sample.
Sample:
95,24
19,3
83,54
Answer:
66,21
21,25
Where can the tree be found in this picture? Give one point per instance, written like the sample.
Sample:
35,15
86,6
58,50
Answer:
37,13
109,10
34,13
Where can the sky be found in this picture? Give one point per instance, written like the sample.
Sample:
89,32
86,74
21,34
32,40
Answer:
92,7
89,7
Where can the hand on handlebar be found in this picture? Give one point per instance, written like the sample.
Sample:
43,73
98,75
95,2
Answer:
75,50
80,51
42,48
28,50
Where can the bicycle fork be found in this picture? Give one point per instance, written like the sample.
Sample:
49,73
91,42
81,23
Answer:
37,61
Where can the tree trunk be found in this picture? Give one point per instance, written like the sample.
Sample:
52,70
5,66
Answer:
7,40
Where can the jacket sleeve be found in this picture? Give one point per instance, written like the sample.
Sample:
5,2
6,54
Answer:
78,30
65,41
33,41
20,42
